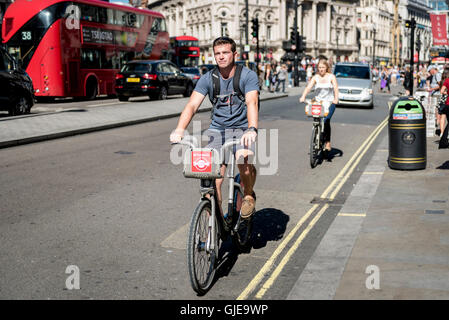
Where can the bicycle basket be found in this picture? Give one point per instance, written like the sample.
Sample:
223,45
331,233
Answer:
202,163
317,110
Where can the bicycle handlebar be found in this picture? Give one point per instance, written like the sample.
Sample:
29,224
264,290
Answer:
195,144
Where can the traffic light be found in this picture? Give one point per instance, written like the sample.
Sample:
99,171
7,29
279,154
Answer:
255,28
301,44
293,37
410,23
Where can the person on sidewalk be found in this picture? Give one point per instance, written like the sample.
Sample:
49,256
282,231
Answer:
408,81
434,83
233,116
282,76
326,88
443,110
268,76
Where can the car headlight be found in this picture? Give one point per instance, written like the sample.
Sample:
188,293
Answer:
367,92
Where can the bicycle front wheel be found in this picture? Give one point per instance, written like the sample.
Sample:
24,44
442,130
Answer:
314,146
201,259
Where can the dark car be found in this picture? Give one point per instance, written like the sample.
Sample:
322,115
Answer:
204,68
193,73
16,87
154,78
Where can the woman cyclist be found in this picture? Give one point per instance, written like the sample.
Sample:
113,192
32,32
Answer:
326,89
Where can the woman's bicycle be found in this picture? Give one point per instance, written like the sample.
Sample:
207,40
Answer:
208,227
318,111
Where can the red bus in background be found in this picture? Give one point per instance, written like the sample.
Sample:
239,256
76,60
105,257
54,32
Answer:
75,48
185,51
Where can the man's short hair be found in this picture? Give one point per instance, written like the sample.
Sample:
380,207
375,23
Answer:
225,40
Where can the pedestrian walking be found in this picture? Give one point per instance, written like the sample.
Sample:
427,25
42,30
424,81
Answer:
282,75
268,76
408,81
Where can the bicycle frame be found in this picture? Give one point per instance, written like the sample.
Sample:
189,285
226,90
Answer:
208,187
319,121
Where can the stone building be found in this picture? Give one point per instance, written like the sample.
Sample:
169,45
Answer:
329,26
375,21
345,30
417,9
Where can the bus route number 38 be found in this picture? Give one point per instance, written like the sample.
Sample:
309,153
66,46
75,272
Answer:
26,35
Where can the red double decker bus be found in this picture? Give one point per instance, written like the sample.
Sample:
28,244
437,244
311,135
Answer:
185,51
75,48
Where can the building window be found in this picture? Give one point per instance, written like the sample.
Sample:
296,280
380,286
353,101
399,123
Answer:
224,29
269,33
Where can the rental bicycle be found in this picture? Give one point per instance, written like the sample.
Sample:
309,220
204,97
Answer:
208,227
318,111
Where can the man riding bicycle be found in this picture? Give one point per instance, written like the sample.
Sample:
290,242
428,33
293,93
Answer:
234,115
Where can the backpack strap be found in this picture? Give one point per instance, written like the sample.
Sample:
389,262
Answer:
236,82
215,75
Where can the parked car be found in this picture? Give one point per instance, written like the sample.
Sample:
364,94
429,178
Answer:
193,73
16,86
355,84
206,68
155,78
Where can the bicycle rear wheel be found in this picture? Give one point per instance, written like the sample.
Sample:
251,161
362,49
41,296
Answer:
201,259
242,236
314,146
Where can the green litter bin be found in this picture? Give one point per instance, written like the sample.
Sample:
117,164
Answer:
407,135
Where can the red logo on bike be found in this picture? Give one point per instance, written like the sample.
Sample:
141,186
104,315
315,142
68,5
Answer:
201,161
316,110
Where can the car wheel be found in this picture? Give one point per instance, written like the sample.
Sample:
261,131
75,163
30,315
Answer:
189,90
162,93
123,98
21,106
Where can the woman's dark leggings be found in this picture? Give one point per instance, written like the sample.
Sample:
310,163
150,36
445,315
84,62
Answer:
327,124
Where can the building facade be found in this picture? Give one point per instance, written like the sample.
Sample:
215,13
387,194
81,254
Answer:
419,10
344,30
329,26
374,23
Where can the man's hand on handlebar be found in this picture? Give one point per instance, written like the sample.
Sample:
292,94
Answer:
176,136
248,138
302,99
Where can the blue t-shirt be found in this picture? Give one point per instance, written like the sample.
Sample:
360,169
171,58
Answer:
229,112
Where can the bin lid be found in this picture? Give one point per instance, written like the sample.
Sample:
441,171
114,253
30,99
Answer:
407,109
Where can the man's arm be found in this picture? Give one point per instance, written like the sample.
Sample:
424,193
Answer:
186,116
251,99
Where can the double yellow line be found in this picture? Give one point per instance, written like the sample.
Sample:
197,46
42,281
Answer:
334,187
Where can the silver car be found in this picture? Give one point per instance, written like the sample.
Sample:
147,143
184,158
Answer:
355,84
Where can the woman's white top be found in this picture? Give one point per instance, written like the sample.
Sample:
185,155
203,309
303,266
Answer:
324,91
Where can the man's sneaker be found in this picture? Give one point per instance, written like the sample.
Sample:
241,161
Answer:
248,206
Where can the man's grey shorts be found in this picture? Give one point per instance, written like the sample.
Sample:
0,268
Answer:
217,139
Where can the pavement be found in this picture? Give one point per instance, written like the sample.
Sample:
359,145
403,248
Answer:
390,239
